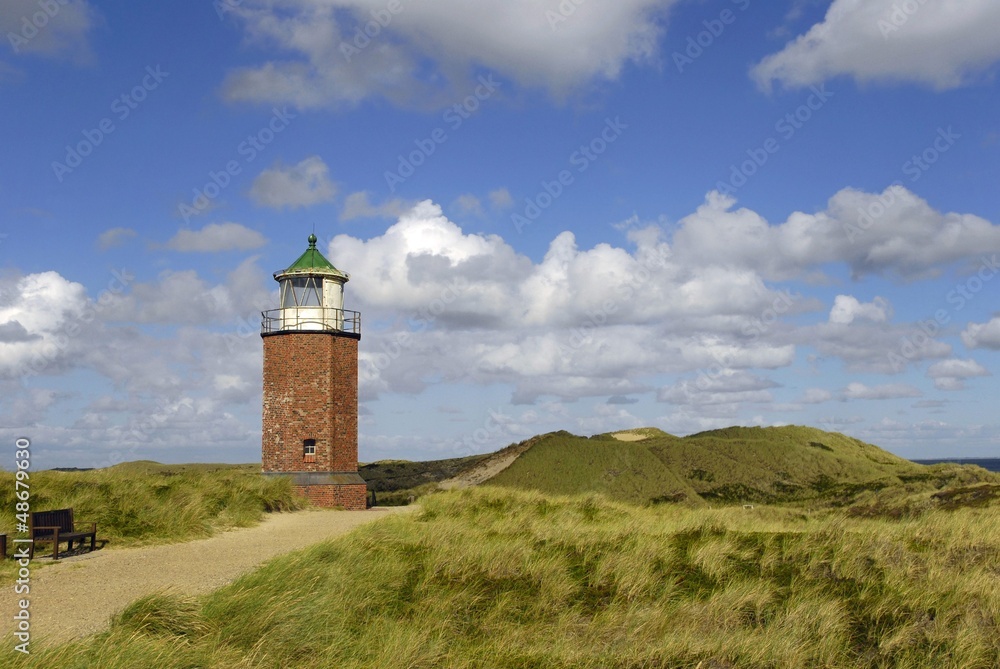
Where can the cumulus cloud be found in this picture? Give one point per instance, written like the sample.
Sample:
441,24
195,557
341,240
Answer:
578,322
216,237
889,391
983,335
114,237
865,346
424,254
301,185
724,387
951,374
893,233
42,319
62,33
938,44
428,53
847,307
179,297
359,205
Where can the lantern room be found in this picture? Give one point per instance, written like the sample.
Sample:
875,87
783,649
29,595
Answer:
311,297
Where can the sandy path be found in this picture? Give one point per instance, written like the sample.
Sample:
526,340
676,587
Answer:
78,595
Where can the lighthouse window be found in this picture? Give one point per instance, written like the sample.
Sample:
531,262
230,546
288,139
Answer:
309,448
302,292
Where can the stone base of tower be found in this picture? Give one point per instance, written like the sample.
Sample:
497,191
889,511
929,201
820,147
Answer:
351,497
346,490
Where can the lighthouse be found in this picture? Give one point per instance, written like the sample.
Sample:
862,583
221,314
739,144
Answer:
310,413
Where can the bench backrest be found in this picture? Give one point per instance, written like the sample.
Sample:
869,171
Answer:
61,518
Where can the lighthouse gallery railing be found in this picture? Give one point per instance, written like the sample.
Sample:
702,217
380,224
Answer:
310,319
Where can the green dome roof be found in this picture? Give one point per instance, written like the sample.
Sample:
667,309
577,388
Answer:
312,262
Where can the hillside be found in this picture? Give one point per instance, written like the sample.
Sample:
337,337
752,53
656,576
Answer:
733,465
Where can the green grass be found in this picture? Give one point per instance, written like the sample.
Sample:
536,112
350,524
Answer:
495,577
732,466
145,502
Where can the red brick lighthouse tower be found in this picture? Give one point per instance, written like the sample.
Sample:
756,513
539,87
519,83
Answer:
311,384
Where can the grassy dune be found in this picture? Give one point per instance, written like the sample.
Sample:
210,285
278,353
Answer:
493,577
733,465
146,502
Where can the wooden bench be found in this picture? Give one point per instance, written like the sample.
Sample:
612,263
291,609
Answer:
57,526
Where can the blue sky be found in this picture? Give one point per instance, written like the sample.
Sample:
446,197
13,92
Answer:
576,215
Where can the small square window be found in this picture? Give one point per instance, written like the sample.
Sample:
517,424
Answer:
309,448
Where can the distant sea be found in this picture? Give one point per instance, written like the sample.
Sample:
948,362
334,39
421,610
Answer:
992,464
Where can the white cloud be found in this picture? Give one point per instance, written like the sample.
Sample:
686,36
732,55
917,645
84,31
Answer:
216,237
983,335
889,391
359,205
114,237
454,39
43,319
577,323
894,233
424,256
939,44
847,307
725,387
184,297
301,185
864,346
64,32
951,374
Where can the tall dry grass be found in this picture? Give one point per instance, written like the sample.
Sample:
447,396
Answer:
500,578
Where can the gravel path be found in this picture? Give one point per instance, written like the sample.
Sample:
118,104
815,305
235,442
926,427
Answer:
78,595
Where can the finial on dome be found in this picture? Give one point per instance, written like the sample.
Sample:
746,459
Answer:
312,241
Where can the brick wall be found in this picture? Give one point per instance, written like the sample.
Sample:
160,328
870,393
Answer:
351,497
310,392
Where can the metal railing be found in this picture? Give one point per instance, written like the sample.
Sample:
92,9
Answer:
310,319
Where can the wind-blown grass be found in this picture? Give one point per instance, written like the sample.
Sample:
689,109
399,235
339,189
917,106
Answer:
501,578
144,502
